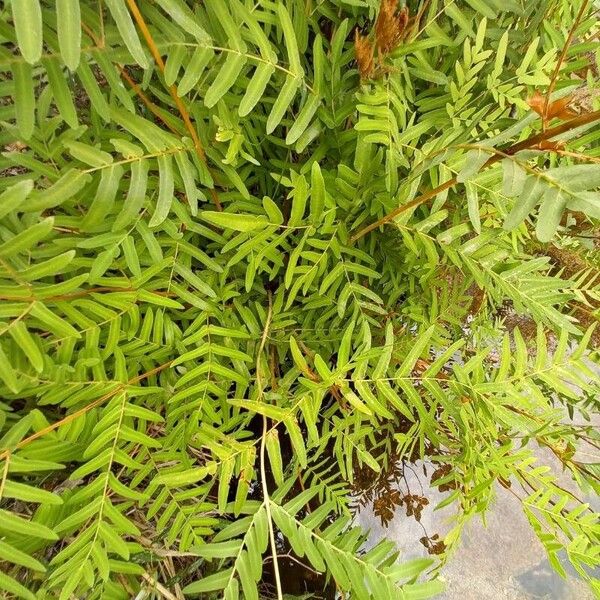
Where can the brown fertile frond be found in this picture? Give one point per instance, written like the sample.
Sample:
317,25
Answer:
364,55
390,26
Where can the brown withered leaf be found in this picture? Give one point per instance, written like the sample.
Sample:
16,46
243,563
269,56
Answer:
433,544
558,109
551,145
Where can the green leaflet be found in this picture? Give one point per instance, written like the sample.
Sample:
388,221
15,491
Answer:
289,36
586,202
20,526
273,211
165,190
256,88
88,154
274,451
63,96
219,549
474,160
27,17
26,239
183,16
92,89
303,119
194,69
7,374
15,556
173,64
259,37
284,99
24,98
28,493
226,77
9,584
525,203
473,206
71,182
124,22
209,583
232,221
557,188
551,210
105,197
52,321
136,195
14,196
68,20
227,22
317,193
25,341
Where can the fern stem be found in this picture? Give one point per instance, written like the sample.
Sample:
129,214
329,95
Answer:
185,115
144,98
263,443
86,408
530,142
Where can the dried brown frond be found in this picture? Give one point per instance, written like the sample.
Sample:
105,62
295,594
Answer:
560,108
390,26
364,55
433,544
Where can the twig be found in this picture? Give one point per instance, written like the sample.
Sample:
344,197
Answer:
574,123
159,587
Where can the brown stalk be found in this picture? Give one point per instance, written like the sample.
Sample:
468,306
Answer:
153,108
38,434
533,141
530,142
141,23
